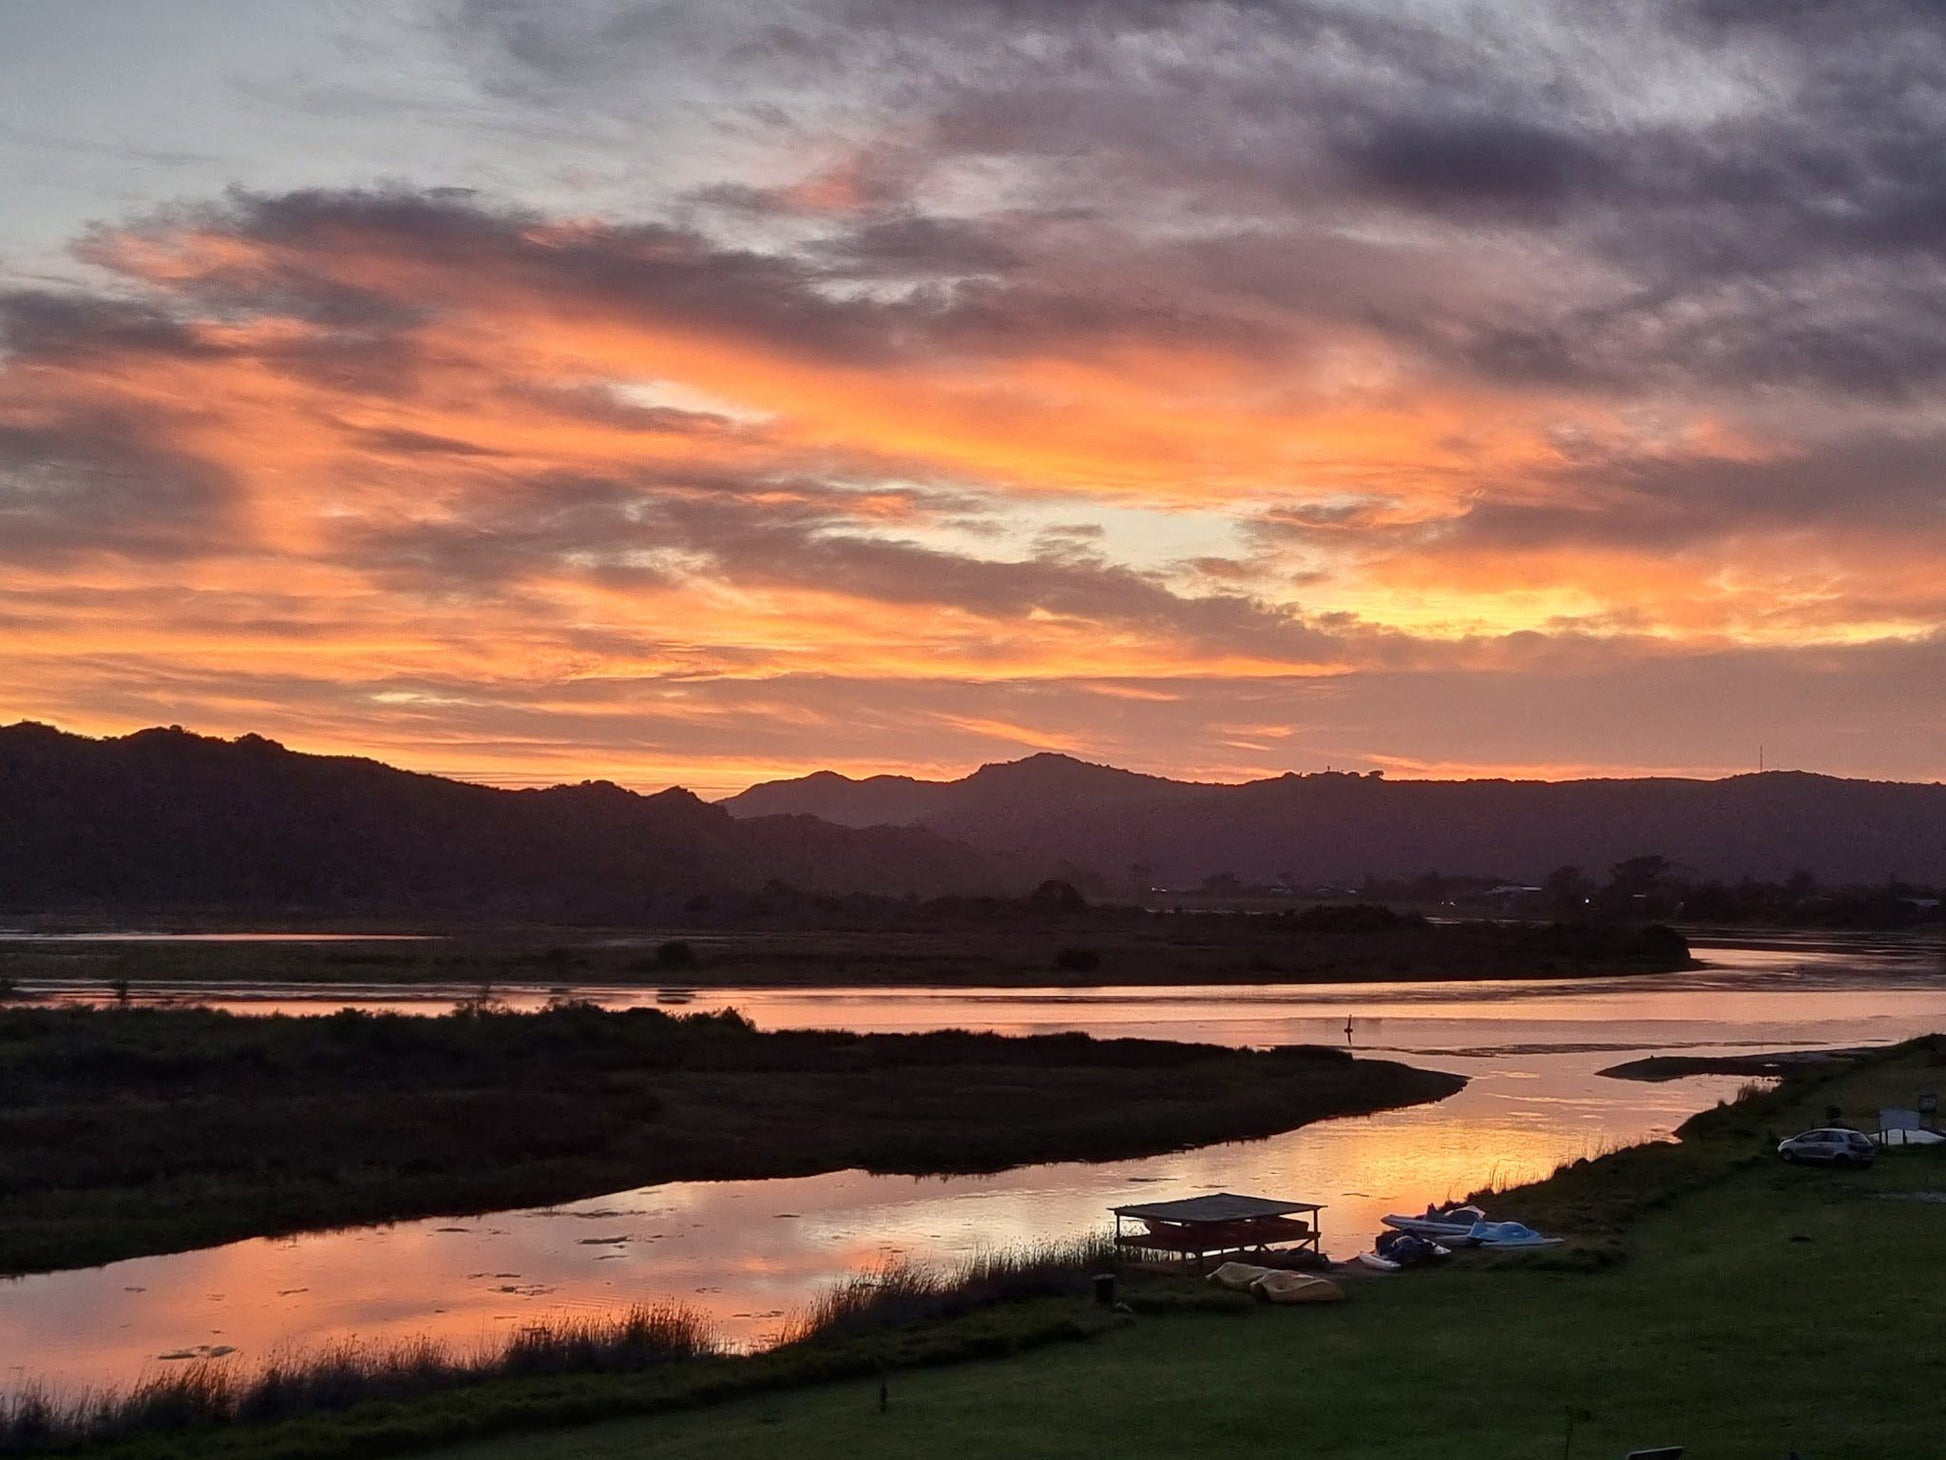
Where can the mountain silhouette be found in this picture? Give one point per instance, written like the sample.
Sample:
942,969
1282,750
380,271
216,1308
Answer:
166,820
1335,828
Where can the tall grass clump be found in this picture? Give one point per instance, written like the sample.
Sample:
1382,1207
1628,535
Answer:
641,1338
217,1391
898,1293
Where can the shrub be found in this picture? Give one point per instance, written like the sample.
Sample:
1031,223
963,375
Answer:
1054,895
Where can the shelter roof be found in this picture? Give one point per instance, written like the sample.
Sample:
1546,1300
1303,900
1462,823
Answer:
1223,1206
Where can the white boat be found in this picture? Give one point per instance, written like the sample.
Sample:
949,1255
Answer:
1453,1225
1377,1263
1503,1236
1917,1137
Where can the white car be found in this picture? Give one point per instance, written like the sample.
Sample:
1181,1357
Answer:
1830,1147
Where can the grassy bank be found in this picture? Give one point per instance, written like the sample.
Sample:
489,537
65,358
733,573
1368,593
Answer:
1005,944
1754,1318
1756,1309
126,1131
349,1402
219,1395
1742,1308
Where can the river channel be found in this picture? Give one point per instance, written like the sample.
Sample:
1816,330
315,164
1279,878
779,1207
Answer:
748,1252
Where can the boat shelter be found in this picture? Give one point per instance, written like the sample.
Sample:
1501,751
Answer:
1197,1228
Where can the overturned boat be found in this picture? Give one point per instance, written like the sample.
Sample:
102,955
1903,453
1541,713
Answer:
1445,1224
1467,1226
1395,1251
1502,1236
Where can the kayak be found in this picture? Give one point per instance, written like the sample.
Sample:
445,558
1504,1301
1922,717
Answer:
1501,1236
1437,1229
1296,1287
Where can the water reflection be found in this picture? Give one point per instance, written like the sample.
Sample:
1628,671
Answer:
746,1252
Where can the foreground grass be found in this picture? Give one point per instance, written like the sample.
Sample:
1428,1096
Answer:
345,1405
138,1130
1724,1334
1761,1309
219,1393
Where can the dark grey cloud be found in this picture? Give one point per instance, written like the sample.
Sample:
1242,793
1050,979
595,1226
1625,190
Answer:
1725,193
77,329
645,271
1472,162
45,327
395,441
801,534
107,480
1854,490
901,244
960,287
1888,487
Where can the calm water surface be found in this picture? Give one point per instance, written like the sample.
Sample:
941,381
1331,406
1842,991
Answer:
747,1252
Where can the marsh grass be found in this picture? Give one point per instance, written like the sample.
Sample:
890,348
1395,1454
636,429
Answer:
219,1391
898,1293
137,1130
211,1395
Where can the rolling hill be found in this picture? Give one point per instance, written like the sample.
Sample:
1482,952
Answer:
169,821
1339,828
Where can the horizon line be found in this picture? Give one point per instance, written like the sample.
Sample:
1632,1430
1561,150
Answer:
714,791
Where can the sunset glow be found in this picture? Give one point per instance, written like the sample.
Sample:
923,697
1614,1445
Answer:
706,394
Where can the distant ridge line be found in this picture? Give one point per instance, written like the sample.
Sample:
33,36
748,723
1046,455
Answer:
1341,827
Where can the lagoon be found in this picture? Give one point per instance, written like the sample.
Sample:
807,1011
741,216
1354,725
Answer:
748,1252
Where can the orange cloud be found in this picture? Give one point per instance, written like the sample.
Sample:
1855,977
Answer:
503,495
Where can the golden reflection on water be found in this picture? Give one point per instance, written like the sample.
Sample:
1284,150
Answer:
746,1253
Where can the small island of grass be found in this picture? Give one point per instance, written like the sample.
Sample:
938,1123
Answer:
127,1131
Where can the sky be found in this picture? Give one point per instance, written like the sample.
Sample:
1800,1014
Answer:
703,393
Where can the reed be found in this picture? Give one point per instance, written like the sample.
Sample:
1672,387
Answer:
217,1391
898,1293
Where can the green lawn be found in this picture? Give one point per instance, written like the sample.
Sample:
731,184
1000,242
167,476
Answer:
1778,1309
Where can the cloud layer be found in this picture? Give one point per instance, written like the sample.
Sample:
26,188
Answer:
1214,388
